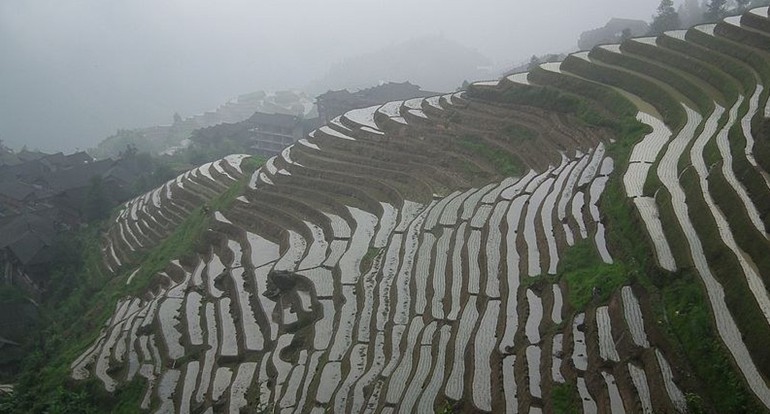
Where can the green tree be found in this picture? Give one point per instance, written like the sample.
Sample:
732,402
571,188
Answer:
534,62
667,18
97,205
716,10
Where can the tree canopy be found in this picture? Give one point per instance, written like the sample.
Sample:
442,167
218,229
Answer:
667,18
716,9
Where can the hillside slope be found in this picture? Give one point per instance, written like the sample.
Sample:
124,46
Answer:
480,251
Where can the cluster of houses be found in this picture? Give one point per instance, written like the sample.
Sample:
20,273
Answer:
42,195
335,103
267,134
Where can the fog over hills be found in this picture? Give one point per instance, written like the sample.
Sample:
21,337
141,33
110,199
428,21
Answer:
433,62
74,72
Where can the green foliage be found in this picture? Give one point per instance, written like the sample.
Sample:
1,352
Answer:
588,277
186,238
688,321
446,408
11,294
672,78
694,403
669,108
254,403
97,205
127,395
546,98
249,165
762,144
503,162
603,108
366,261
727,270
518,133
727,65
565,399
734,49
753,38
63,402
703,70
593,94
666,18
81,299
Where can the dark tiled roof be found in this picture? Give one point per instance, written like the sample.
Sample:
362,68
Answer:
60,161
29,237
8,158
342,93
277,120
32,248
335,103
25,155
17,190
77,177
394,91
28,171
81,157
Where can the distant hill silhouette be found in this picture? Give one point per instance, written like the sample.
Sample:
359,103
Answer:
433,62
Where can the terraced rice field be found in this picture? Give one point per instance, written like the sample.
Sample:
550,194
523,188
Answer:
389,263
148,219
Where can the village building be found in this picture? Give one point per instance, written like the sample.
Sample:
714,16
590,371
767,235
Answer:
42,195
271,133
335,103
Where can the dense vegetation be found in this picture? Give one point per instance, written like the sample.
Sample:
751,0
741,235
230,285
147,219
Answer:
82,297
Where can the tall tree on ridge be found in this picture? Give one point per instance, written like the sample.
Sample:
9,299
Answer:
716,10
667,18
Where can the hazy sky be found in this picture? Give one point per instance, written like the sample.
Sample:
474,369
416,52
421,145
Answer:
74,71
